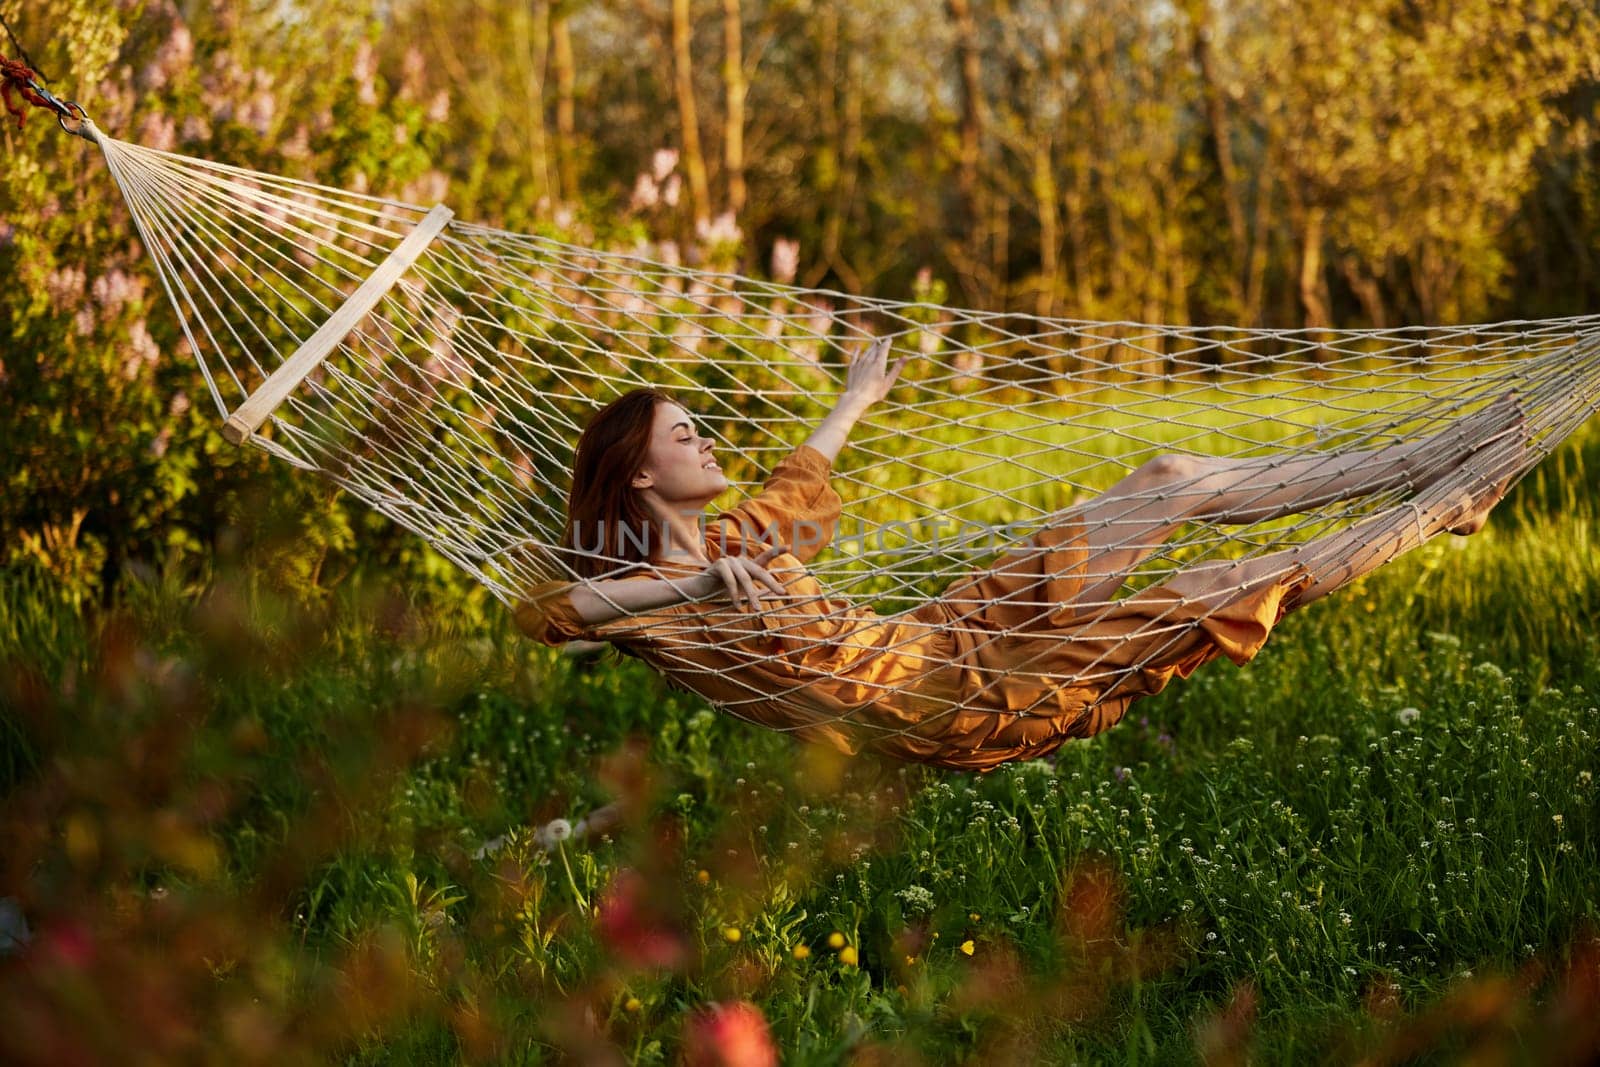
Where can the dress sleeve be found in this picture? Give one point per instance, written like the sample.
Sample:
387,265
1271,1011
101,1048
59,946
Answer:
796,505
547,615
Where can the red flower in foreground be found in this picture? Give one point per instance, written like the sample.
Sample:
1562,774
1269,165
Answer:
729,1035
634,931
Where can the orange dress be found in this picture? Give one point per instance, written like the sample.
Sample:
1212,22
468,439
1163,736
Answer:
970,680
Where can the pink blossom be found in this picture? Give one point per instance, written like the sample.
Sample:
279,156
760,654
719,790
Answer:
720,230
141,345
196,128
969,363
522,469
662,162
729,1035
115,288
785,260
298,146
64,287
646,194
259,111
412,68
439,106
179,405
175,53
364,71
158,131
671,191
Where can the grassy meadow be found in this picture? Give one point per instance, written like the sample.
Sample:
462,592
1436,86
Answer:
244,827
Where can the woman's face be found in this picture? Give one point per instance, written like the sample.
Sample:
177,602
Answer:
678,466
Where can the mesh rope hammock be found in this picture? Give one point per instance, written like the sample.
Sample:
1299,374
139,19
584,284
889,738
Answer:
442,371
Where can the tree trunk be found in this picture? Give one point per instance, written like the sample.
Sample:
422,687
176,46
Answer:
1045,198
1221,146
736,89
694,160
972,216
566,91
530,32
1313,303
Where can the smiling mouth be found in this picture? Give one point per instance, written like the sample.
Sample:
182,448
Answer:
709,466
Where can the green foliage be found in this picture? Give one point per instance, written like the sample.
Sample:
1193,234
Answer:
338,809
112,453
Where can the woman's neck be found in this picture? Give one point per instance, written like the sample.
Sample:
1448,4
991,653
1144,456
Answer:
683,541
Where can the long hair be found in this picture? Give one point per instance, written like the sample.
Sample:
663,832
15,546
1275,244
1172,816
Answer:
606,521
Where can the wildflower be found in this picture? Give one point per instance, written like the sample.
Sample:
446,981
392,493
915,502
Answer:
968,947
975,917
836,940
633,928
632,1006
731,934
847,956
1407,716
702,876
802,952
729,1035
916,898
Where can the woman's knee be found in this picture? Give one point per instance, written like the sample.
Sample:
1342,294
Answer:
1172,467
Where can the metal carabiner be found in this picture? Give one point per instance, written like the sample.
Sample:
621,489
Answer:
81,118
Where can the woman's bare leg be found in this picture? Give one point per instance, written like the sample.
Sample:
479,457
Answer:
1336,559
1136,516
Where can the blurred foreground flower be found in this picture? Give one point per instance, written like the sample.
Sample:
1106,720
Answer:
634,929
729,1035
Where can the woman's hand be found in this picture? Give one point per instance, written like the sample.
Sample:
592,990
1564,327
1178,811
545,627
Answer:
742,577
869,378
866,383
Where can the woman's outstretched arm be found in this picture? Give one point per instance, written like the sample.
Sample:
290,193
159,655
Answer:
740,578
867,382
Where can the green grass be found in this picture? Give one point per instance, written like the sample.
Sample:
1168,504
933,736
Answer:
271,812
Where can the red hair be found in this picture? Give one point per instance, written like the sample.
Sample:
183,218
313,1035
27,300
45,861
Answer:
606,521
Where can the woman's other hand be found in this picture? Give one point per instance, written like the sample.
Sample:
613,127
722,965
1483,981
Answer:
743,578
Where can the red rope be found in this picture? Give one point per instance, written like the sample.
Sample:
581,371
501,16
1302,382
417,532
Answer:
20,79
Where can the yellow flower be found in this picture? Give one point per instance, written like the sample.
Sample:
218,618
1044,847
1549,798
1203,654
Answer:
632,1006
702,876
910,960
975,917
731,934
968,947
801,952
847,956
836,940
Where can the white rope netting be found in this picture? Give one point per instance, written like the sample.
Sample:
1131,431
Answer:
454,406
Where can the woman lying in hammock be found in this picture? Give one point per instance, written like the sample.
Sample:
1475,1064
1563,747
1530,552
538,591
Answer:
1011,661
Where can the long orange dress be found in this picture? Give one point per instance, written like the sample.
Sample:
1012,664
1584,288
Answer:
970,680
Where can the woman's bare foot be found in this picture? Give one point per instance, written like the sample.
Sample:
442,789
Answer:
1501,459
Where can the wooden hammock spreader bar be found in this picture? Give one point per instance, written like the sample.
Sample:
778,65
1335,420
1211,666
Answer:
259,405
